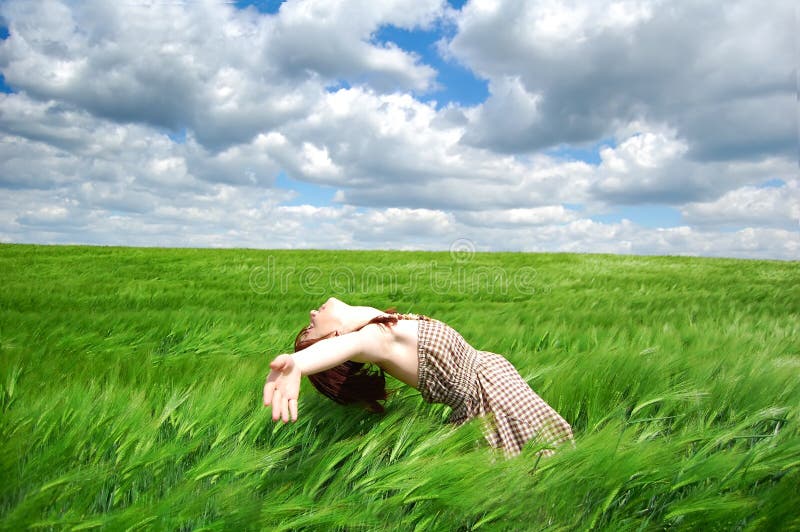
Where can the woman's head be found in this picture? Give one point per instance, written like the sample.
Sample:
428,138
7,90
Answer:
350,382
327,320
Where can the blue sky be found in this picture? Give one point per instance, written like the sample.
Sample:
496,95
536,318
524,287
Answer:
536,126
307,193
456,83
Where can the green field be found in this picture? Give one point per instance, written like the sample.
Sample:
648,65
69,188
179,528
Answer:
131,387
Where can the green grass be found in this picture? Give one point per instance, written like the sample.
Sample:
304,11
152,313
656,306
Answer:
130,388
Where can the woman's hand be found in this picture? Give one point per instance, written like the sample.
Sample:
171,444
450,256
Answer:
282,388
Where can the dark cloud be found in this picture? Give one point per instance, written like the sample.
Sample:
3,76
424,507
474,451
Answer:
745,128
719,74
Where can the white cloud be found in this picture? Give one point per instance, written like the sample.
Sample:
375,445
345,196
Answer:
85,154
750,206
649,166
223,73
554,214
317,163
647,149
393,150
626,237
50,144
380,226
237,217
49,216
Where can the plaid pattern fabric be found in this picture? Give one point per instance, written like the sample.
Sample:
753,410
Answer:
483,384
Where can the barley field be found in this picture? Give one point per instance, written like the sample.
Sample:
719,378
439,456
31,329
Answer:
131,380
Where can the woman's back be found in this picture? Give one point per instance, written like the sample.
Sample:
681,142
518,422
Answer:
478,383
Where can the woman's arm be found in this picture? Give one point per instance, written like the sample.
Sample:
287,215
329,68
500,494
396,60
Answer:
283,383
364,345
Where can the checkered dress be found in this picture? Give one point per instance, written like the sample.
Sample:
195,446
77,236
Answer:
483,384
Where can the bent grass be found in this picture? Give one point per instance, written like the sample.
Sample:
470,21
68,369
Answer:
130,389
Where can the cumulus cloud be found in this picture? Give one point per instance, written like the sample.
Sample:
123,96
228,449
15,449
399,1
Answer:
226,74
722,76
333,40
749,206
520,217
649,166
50,144
168,123
229,216
395,151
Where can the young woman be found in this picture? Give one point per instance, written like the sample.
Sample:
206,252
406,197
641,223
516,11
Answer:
333,350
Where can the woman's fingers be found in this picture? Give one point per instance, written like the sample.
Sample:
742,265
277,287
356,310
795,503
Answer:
276,363
279,390
269,387
285,410
276,405
279,364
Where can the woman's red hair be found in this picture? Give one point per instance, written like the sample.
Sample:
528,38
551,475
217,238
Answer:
350,382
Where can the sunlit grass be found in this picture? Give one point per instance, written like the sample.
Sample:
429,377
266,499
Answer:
130,389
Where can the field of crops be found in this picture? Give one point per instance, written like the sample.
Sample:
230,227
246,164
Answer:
130,387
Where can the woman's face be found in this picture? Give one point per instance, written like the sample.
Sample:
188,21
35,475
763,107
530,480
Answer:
327,318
